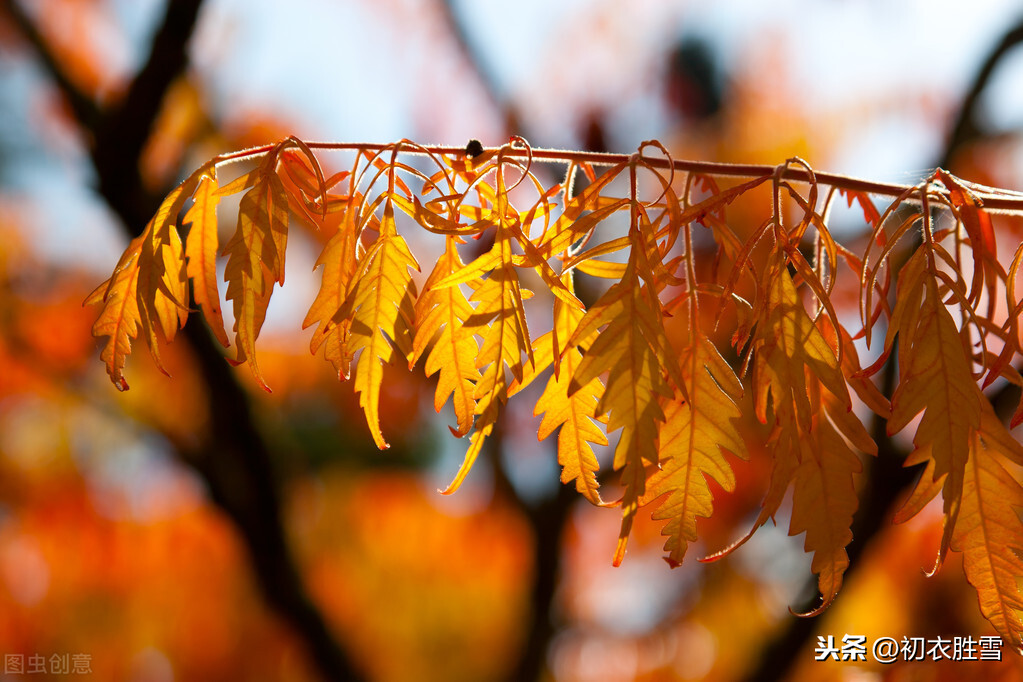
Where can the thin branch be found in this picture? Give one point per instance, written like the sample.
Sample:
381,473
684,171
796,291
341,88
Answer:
994,200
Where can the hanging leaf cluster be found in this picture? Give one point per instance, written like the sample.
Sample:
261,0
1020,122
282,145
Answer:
695,322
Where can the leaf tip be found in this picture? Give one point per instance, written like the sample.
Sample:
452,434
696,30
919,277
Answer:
457,433
825,603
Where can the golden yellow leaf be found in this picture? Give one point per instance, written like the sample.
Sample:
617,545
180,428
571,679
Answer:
573,416
633,349
693,439
379,309
340,264
499,317
255,261
440,316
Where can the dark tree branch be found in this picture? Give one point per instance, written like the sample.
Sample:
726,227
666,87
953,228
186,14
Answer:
235,462
122,131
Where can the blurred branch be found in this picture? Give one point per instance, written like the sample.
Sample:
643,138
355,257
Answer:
966,129
235,462
84,109
547,518
460,35
122,131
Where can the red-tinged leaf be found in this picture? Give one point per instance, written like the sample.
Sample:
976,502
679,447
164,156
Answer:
201,253
988,531
306,187
380,307
693,439
855,376
870,212
440,326
120,317
986,269
975,219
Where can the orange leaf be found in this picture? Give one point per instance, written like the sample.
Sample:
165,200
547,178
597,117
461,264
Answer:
201,253
120,317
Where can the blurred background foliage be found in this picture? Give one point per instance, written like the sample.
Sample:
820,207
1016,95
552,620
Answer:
121,539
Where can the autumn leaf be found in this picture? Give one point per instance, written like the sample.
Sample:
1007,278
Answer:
988,531
162,291
500,318
935,379
626,363
574,417
254,261
340,262
798,370
695,436
823,504
148,287
120,316
201,254
633,349
379,312
440,316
